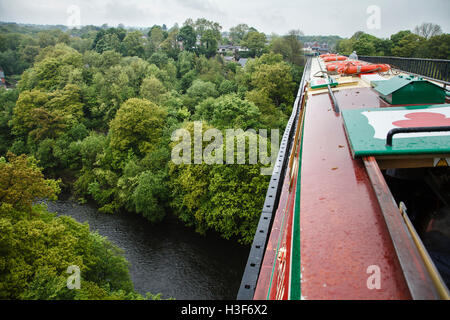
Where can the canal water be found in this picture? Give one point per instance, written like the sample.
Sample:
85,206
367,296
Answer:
167,258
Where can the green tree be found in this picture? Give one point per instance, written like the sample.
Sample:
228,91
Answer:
36,248
156,37
148,196
133,44
437,47
137,126
289,47
276,81
188,37
224,198
209,43
405,44
238,33
152,89
8,100
229,111
255,42
198,91
22,182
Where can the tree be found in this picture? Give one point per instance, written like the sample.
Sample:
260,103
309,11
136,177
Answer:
8,100
156,37
188,37
152,89
345,46
185,62
160,59
202,25
224,198
405,44
229,111
109,39
363,47
22,182
170,45
238,33
276,81
428,30
52,69
289,47
255,42
209,43
137,127
438,47
148,194
37,247
39,115
199,91
133,44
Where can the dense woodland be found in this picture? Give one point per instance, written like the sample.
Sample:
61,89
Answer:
94,110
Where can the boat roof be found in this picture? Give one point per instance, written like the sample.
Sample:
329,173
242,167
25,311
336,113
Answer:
340,221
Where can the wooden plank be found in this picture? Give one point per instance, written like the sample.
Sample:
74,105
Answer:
415,272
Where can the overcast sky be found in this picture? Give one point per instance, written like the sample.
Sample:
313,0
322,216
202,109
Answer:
313,17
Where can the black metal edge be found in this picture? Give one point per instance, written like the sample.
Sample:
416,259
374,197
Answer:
396,131
257,251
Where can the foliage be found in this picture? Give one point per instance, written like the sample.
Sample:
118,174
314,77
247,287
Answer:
224,198
22,182
137,127
255,42
37,247
289,47
427,41
229,111
96,107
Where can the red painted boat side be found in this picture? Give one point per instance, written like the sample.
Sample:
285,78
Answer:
267,267
343,232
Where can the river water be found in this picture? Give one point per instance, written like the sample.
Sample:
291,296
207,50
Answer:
167,258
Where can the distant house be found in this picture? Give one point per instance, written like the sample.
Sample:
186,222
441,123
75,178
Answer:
243,62
2,78
318,47
229,59
223,49
230,48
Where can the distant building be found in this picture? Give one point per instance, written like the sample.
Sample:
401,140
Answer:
230,48
229,59
2,78
318,47
243,62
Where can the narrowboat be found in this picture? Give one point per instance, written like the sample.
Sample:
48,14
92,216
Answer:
358,207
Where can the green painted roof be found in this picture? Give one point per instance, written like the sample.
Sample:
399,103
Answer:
390,86
367,131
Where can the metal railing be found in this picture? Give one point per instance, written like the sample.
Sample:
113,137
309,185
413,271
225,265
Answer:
434,69
257,251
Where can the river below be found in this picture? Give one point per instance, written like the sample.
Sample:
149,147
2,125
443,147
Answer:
167,258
